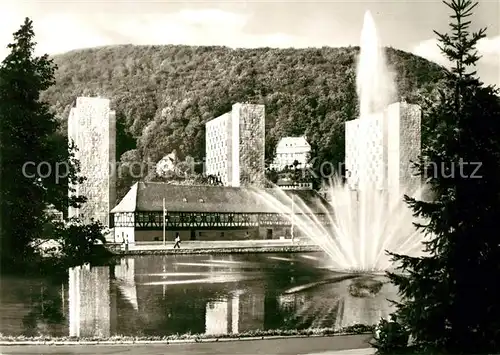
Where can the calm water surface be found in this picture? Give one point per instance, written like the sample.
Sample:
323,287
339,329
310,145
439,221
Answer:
163,295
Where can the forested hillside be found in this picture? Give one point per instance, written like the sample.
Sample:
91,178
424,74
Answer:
163,95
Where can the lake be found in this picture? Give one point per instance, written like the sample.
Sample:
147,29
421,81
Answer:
199,294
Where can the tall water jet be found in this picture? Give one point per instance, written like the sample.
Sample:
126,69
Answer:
367,215
374,81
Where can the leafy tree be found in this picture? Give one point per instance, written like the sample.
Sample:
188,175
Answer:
272,176
124,140
29,138
450,297
79,243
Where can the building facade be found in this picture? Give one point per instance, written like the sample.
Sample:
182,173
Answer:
218,147
203,213
92,127
235,146
241,311
289,150
379,149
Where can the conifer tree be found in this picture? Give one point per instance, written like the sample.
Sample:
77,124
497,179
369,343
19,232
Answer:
29,139
451,297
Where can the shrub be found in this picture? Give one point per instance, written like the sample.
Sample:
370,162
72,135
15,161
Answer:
391,337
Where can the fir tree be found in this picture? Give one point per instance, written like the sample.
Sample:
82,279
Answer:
29,138
451,297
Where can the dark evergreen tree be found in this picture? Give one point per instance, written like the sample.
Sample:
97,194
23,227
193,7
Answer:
29,139
451,298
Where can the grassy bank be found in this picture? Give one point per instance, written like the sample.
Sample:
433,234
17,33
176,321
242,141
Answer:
229,250
351,330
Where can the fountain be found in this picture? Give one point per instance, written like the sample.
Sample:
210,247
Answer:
374,81
360,227
367,215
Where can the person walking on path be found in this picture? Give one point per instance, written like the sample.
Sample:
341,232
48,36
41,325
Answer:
177,241
125,243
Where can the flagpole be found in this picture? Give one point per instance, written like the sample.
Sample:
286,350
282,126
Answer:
164,217
293,215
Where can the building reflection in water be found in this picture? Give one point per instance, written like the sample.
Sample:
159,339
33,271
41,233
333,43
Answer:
218,319
291,303
165,295
138,301
240,312
331,305
89,301
125,280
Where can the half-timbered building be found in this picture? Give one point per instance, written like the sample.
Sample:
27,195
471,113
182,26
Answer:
204,213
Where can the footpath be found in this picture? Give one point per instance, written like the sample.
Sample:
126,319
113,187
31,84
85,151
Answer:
215,247
333,345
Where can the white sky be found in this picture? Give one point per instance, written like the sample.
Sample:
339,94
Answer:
64,25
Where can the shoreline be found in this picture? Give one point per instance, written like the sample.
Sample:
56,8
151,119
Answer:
187,338
218,250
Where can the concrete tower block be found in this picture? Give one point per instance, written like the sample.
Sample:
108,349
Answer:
218,148
235,146
379,149
365,152
250,135
403,146
352,154
92,126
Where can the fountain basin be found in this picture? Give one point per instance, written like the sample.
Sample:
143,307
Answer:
366,286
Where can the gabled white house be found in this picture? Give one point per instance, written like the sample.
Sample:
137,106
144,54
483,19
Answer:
290,149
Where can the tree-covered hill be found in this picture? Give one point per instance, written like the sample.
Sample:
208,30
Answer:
163,95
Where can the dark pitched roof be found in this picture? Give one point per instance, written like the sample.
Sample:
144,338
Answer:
148,196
